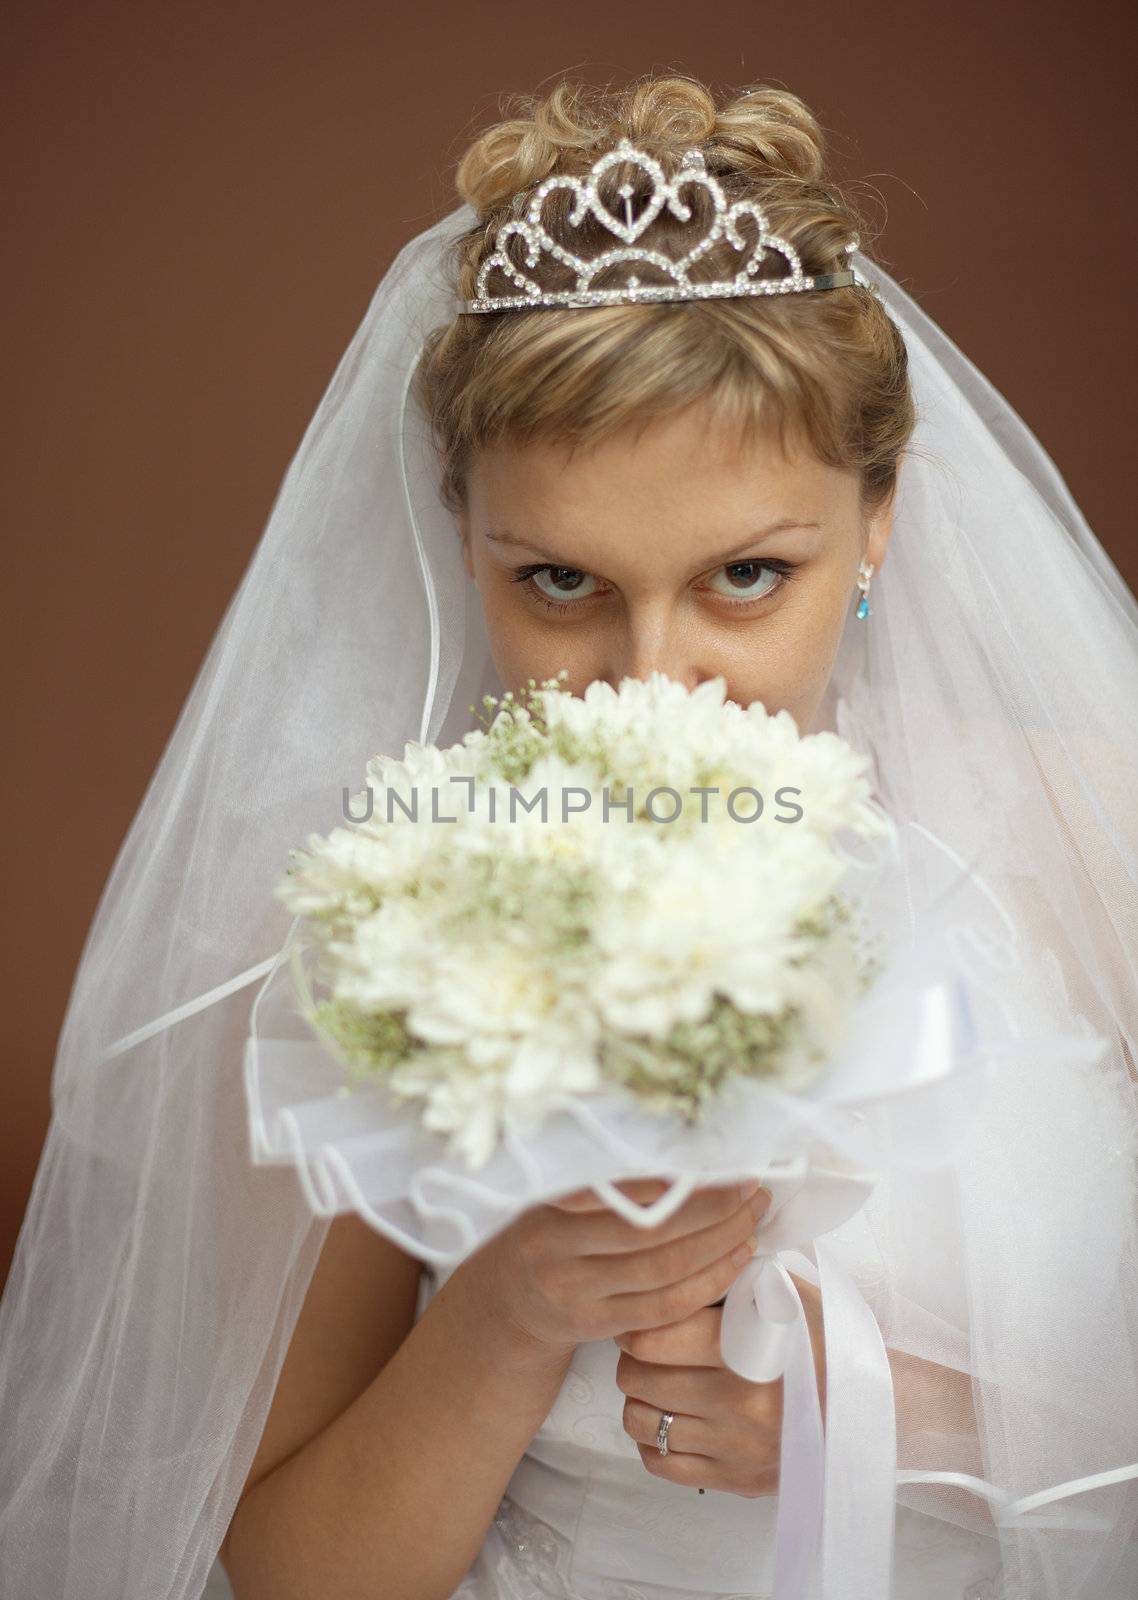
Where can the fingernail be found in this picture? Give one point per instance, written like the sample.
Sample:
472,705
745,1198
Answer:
742,1253
760,1200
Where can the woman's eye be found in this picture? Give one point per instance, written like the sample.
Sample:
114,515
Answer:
742,578
557,585
565,586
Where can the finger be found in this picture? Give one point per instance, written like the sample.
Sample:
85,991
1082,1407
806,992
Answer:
692,1390
687,1434
678,1255
717,1398
702,1472
643,1190
653,1308
604,1232
692,1342
693,1472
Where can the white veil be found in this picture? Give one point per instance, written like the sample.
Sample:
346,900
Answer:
158,1275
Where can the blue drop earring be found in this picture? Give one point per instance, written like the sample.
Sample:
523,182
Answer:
864,573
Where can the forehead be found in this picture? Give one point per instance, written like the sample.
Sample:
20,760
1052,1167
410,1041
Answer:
686,471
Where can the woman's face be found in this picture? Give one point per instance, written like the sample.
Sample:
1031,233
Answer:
671,551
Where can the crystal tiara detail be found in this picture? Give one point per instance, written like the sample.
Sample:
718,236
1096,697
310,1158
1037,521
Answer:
665,192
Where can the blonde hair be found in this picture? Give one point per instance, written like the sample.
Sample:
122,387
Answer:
826,367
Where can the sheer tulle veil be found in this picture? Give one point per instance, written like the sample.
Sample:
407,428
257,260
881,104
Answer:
159,1273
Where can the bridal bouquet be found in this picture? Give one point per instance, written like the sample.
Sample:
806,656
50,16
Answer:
639,932
637,890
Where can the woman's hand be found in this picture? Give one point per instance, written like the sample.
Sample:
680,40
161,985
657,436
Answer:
573,1270
727,1430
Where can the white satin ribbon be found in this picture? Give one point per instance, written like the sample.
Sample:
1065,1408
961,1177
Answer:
836,1496
764,1327
861,1442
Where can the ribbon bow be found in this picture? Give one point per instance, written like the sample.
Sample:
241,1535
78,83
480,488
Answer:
836,1488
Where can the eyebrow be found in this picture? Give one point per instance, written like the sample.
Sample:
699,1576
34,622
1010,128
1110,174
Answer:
783,525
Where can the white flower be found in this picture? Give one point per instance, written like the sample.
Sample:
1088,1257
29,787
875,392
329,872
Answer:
705,922
495,991
461,1104
346,869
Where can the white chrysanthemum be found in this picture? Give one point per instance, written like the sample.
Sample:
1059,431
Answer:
344,870
704,922
652,731
500,989
423,769
836,787
559,1060
469,1095
461,1103
522,1032
384,966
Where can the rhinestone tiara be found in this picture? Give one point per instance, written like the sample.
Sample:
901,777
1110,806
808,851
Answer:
665,192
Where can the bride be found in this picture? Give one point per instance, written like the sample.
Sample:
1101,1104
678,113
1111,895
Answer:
775,469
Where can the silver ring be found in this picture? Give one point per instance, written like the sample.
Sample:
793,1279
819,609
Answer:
666,1420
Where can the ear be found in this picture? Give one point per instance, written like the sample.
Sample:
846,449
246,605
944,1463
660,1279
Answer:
879,527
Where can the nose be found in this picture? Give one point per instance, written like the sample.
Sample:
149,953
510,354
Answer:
652,643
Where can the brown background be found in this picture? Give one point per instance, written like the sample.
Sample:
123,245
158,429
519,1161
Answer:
200,201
